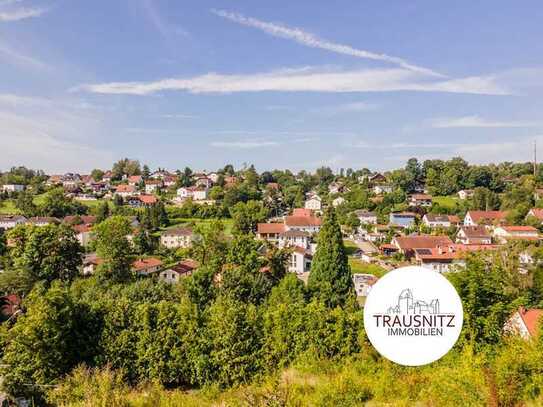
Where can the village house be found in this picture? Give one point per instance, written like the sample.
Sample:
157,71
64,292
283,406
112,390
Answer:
366,251
83,233
407,244
363,283
146,266
177,238
11,221
403,219
203,182
126,190
338,201
535,213
79,219
435,221
293,238
475,218
152,186
135,180
169,180
141,200
200,193
382,189
90,263
420,200
502,234
13,188
473,235
465,194
270,231
524,322
300,261
175,273
314,203
309,224
377,178
213,176
366,217
440,259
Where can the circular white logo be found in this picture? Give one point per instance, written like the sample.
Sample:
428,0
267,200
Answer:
413,316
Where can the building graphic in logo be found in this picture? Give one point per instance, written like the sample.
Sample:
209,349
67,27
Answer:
408,329
406,305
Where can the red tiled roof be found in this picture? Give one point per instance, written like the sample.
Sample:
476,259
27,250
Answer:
531,317
148,199
126,188
519,229
473,232
142,264
181,231
454,219
302,212
185,267
134,178
538,213
487,215
302,221
86,219
270,228
422,242
82,228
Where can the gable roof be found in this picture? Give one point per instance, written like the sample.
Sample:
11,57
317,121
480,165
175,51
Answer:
431,217
474,232
142,264
185,266
531,317
302,212
422,242
477,216
181,231
271,228
125,188
302,221
536,212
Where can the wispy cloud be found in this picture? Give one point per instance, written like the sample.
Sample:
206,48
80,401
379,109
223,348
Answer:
245,144
8,55
178,116
478,122
305,80
347,108
20,13
311,40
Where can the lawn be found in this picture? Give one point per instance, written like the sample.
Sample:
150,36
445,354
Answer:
227,222
448,202
8,208
358,266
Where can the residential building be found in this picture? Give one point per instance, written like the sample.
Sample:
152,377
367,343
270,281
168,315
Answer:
366,251
403,219
309,224
420,200
142,200
536,213
175,273
407,244
11,221
382,189
474,218
314,203
366,217
200,193
13,188
302,212
126,190
435,221
270,231
300,261
377,178
504,233
203,182
135,180
363,283
293,238
177,238
524,322
153,185
473,235
146,266
90,263
83,233
338,201
79,219
465,193
441,258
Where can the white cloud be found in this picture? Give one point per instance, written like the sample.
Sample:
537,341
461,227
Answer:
247,144
478,122
178,116
305,80
311,40
21,13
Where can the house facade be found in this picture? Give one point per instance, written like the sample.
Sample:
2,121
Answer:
524,322
177,238
402,219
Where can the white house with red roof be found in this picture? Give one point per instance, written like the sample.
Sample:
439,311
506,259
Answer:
535,213
146,266
175,273
422,200
505,233
175,238
475,218
363,283
126,190
314,203
300,261
473,235
524,322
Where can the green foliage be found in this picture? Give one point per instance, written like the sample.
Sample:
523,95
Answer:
46,252
113,247
57,204
25,204
246,216
330,279
54,335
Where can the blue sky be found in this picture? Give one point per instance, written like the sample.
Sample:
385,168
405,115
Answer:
279,84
